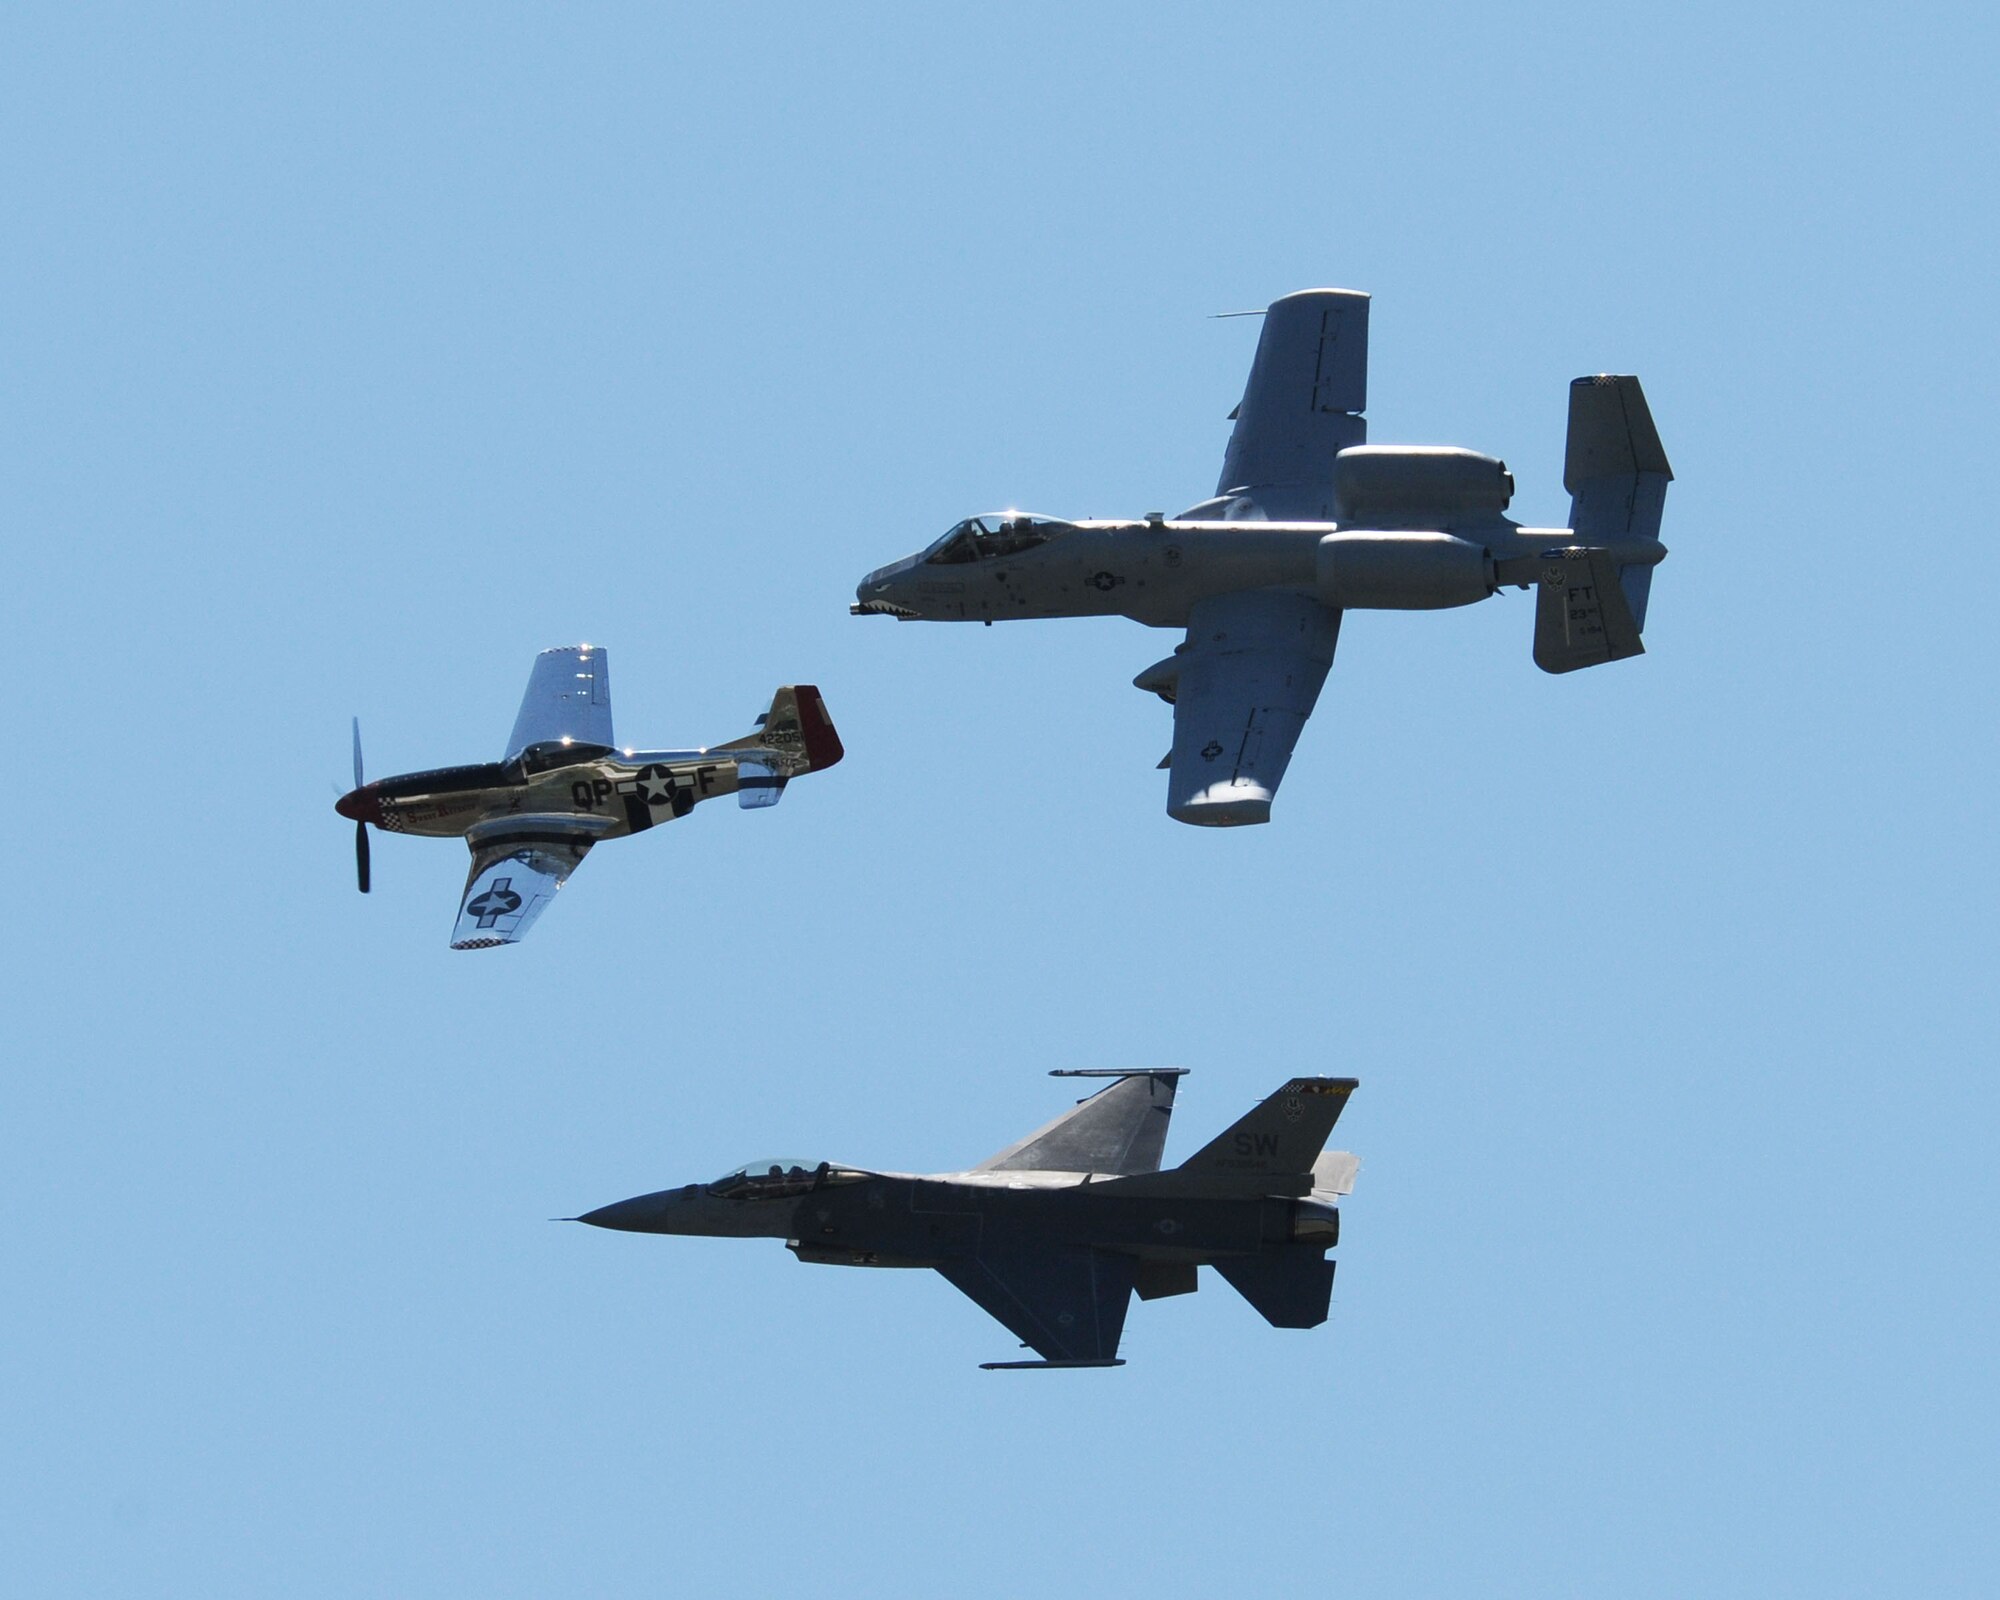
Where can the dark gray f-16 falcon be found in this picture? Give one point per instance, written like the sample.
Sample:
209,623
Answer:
563,786
1053,1235
1309,521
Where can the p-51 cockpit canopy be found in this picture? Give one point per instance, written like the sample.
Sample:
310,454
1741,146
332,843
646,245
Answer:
550,754
998,533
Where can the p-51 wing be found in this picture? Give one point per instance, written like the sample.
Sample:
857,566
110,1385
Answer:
512,879
568,697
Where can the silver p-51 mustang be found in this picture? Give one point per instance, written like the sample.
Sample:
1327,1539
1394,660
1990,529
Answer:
1055,1234
1309,521
563,786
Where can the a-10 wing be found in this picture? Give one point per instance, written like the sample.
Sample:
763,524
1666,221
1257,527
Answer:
1301,407
1250,672
1247,679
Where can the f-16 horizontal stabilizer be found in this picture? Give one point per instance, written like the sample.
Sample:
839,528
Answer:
1281,1138
1290,1288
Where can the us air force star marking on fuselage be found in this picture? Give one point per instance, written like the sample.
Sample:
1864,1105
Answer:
1308,522
563,787
1054,1235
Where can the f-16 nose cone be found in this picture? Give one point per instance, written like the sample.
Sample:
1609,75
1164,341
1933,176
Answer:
642,1214
360,805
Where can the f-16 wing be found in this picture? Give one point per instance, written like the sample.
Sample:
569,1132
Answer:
1121,1129
1302,406
1242,686
1066,1304
514,876
569,697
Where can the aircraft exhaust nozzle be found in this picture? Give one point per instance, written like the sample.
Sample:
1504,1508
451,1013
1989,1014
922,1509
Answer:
1315,1222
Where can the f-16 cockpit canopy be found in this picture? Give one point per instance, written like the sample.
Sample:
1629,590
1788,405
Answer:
778,1177
999,533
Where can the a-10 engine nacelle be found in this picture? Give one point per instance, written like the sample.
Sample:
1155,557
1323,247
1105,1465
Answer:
1398,500
1417,486
1397,569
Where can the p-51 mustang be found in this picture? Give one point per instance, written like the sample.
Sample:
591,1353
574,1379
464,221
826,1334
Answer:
1310,521
1054,1234
562,786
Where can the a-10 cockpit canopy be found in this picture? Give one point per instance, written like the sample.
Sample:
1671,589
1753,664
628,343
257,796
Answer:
999,533
778,1177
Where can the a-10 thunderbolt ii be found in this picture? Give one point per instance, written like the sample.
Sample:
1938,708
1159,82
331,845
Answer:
1053,1235
1309,521
564,785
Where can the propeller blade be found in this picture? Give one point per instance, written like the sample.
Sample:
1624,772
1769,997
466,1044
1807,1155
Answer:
357,753
361,854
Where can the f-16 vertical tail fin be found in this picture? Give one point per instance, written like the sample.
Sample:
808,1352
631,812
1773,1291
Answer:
1616,471
1281,1138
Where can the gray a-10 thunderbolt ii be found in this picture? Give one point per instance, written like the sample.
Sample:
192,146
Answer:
563,786
1309,521
1053,1235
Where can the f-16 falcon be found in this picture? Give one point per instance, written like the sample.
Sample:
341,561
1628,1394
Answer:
1309,521
563,786
1054,1235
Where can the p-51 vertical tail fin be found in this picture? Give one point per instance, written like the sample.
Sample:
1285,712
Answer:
795,736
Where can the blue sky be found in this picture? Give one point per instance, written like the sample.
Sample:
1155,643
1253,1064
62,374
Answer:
353,359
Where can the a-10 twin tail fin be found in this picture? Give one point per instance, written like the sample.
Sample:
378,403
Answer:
1591,600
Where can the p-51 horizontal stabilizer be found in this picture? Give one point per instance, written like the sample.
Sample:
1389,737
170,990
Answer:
758,784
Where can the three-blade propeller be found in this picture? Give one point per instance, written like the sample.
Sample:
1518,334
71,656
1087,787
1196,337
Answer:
360,828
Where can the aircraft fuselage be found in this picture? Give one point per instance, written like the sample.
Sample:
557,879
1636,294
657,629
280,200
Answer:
622,793
888,1219
1155,571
